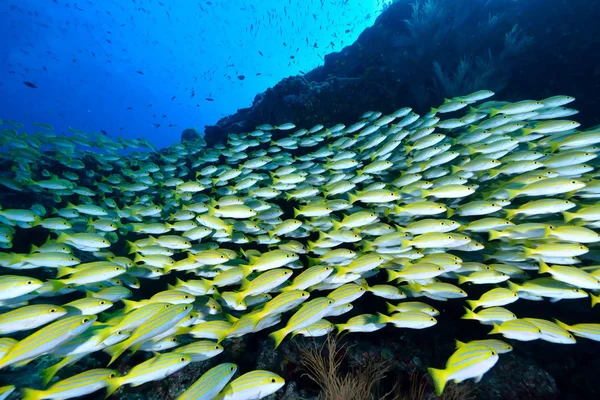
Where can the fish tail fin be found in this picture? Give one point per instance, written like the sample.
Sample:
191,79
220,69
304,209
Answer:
449,212
390,307
129,305
116,352
62,271
458,343
229,229
595,299
382,318
568,216
31,394
133,248
352,198
513,286
512,193
510,214
246,270
336,225
439,377
493,235
296,212
495,329
462,279
340,328
434,110
544,268
527,131
494,111
56,284
62,237
278,336
391,275
554,146
562,324
48,373
473,304
469,314
111,386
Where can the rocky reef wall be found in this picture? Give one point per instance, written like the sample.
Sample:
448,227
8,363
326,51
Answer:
418,53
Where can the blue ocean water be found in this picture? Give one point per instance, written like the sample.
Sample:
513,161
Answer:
150,68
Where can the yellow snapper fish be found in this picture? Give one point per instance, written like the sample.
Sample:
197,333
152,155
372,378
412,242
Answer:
465,363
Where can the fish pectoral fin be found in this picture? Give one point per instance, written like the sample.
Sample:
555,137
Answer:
555,299
478,378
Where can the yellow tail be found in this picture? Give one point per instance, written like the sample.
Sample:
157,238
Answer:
595,299
278,336
48,373
544,268
111,386
462,279
32,394
495,329
390,307
568,216
473,304
116,351
469,314
129,305
439,377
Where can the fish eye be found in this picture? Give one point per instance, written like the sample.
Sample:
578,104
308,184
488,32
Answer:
102,302
167,305
112,375
573,182
231,369
273,380
182,359
53,310
71,259
85,320
30,282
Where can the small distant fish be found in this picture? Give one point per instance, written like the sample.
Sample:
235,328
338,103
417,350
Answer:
241,77
140,72
31,85
210,99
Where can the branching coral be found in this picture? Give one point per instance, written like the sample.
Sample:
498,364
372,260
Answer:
515,42
469,76
427,24
323,363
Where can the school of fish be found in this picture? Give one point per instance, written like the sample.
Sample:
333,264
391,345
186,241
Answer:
285,229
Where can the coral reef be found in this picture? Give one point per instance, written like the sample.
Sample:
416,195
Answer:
417,53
